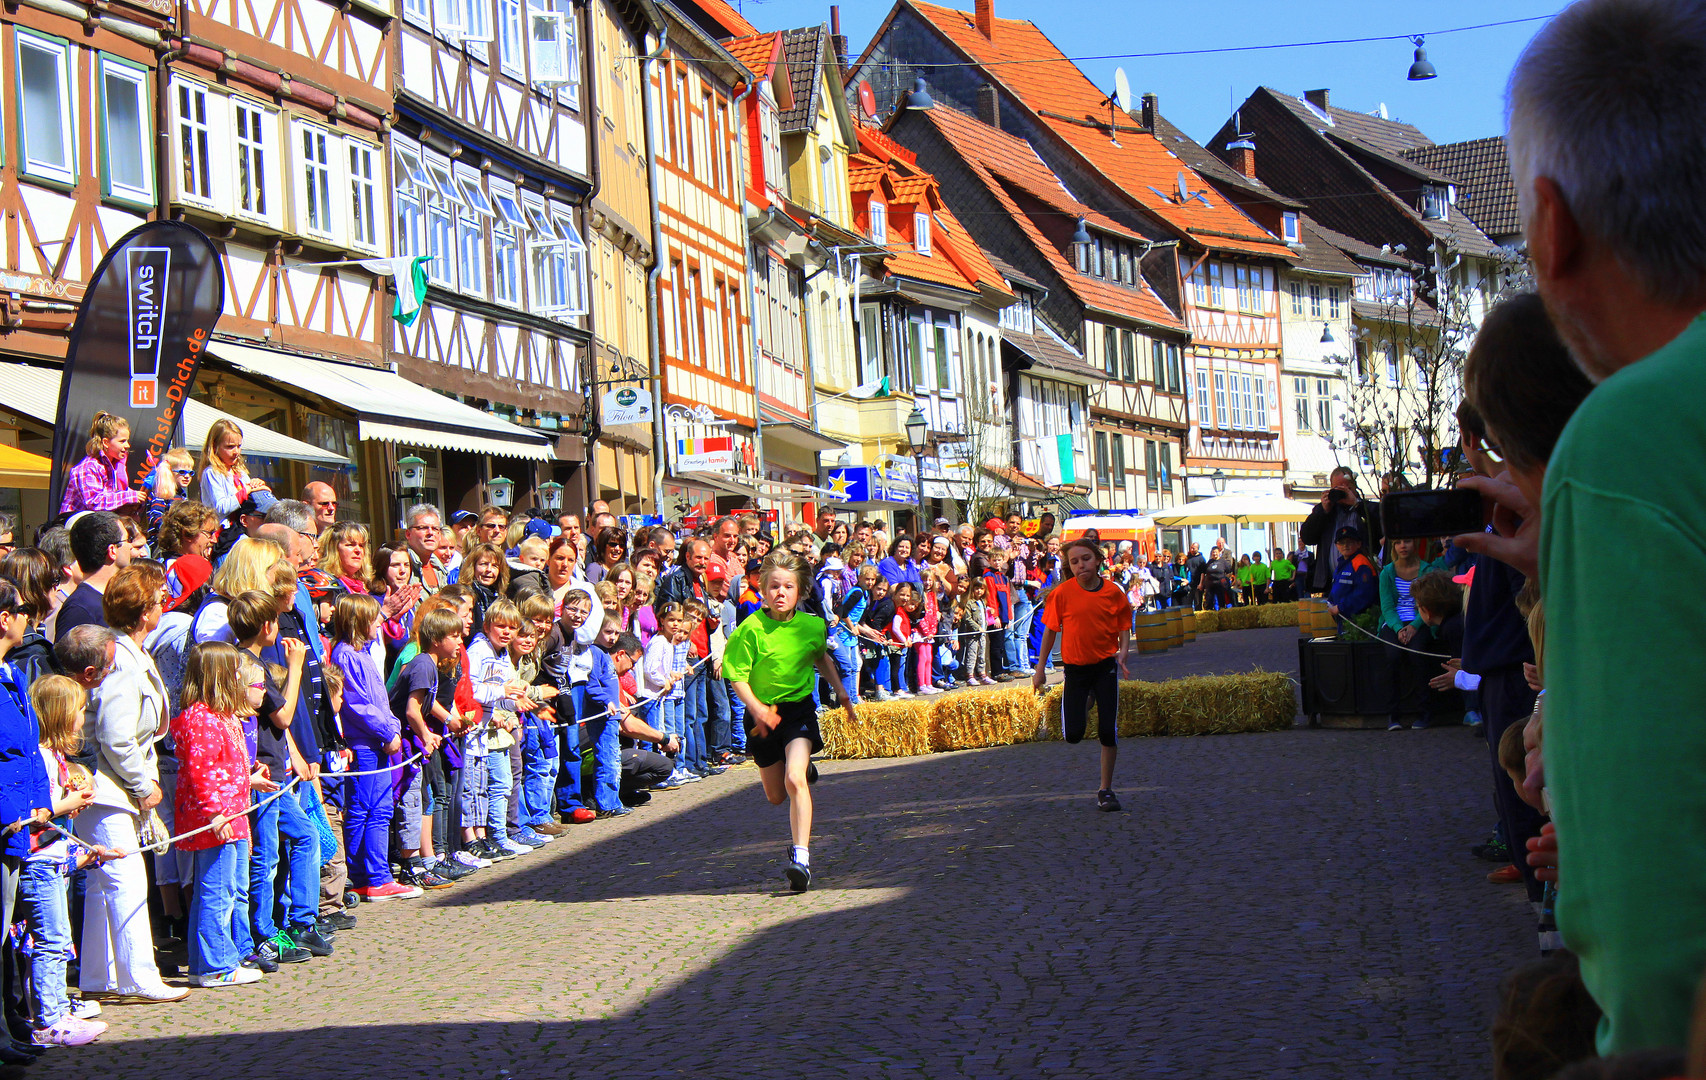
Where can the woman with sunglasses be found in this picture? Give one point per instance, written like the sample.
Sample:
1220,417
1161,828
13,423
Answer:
168,485
609,549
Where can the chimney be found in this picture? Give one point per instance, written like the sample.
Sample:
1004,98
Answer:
989,105
984,17
837,40
1317,98
1244,158
1151,108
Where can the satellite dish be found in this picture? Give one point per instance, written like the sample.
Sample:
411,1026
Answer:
1122,90
867,99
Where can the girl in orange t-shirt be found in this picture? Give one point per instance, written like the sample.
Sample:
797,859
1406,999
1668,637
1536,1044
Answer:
1093,618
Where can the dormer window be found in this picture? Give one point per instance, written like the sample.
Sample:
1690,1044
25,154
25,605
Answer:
879,223
1291,227
921,233
1435,201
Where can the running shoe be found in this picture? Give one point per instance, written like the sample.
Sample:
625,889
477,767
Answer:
68,1030
307,937
514,846
527,836
620,811
450,869
580,815
85,1008
391,890
1107,800
470,860
799,876
239,976
1394,725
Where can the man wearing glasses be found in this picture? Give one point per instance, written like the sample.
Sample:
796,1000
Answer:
494,522
323,500
425,529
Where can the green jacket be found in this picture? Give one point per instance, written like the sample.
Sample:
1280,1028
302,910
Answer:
1389,594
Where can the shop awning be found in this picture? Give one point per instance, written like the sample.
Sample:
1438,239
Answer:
726,485
24,470
388,407
1069,501
797,434
1021,483
34,392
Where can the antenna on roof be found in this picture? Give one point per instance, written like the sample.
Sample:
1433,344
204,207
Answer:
1118,102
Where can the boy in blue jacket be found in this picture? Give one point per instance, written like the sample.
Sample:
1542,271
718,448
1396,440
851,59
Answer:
603,699
1356,584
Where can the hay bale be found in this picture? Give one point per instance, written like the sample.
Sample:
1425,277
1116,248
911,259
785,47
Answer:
885,729
984,718
1208,622
1198,705
1276,615
1238,618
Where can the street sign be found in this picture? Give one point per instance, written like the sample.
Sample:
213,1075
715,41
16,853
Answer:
626,405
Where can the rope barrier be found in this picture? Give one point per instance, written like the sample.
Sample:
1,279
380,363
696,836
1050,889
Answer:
1389,644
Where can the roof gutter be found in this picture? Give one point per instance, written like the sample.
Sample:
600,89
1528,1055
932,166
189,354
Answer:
659,423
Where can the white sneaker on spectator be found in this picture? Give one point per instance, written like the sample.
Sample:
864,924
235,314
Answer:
470,860
85,1008
514,847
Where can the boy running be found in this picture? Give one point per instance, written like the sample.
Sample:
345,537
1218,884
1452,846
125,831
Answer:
770,662
1093,618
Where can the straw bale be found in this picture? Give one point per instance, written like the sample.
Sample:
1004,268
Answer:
1208,622
1198,705
985,718
885,729
1274,615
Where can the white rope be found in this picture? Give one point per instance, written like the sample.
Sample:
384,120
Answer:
1389,644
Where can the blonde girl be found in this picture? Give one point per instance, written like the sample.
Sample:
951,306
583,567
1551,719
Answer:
662,674
225,479
642,620
59,706
247,568
170,483
222,688
101,480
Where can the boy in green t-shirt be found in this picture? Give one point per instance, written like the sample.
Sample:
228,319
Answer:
1285,575
771,662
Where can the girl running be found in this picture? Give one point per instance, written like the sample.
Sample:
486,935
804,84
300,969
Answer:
1093,618
769,663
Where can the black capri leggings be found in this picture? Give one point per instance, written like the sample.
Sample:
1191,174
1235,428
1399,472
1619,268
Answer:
1100,680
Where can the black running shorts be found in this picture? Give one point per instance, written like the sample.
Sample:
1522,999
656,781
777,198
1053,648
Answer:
799,721
1100,680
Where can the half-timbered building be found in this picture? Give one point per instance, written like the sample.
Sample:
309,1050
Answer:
1092,298
490,161
619,246
710,406
1203,256
80,169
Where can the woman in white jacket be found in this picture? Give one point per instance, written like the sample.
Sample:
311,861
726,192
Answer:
126,715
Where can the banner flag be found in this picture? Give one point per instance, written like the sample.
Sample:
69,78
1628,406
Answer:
146,318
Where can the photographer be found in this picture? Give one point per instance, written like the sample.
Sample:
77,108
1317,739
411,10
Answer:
1341,507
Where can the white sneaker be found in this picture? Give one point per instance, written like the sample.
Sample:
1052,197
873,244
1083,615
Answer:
514,847
85,1008
882,694
927,690
236,977
471,860
903,693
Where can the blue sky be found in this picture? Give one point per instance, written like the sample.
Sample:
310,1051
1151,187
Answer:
1465,102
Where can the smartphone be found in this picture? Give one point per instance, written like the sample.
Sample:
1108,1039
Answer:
1431,512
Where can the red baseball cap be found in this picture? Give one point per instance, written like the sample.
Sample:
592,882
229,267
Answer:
995,525
714,571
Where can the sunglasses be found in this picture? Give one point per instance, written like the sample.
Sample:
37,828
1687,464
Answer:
183,472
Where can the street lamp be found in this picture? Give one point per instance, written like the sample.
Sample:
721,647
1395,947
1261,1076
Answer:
917,430
411,473
1422,70
1219,481
550,497
1327,334
500,489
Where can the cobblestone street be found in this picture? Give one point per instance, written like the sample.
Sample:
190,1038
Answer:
1294,904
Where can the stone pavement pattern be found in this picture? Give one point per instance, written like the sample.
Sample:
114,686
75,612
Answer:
1298,904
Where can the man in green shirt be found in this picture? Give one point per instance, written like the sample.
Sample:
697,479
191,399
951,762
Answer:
1285,575
1605,146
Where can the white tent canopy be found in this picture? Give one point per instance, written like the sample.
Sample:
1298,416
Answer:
1234,510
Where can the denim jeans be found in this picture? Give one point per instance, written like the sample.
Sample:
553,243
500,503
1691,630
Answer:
716,714
43,887
263,865
539,771
569,750
497,793
669,721
1018,645
299,843
607,763
219,915
846,657
697,707
367,819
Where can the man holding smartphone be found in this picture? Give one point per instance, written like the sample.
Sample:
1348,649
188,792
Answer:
1341,507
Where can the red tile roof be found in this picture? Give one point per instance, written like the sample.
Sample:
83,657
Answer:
999,160
955,260
727,17
756,53
1073,108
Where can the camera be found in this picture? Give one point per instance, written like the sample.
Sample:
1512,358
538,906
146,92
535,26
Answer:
1337,495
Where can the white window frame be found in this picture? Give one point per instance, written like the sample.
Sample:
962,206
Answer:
409,223
1303,416
60,52
569,91
473,194
477,25
409,170
418,13
317,180
508,206
447,20
574,256
441,243
471,253
512,39
186,127
443,188
264,159
366,176
547,34
879,214
921,233
1291,229
114,69
506,264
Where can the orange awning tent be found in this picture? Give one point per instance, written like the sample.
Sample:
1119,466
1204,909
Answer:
22,469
